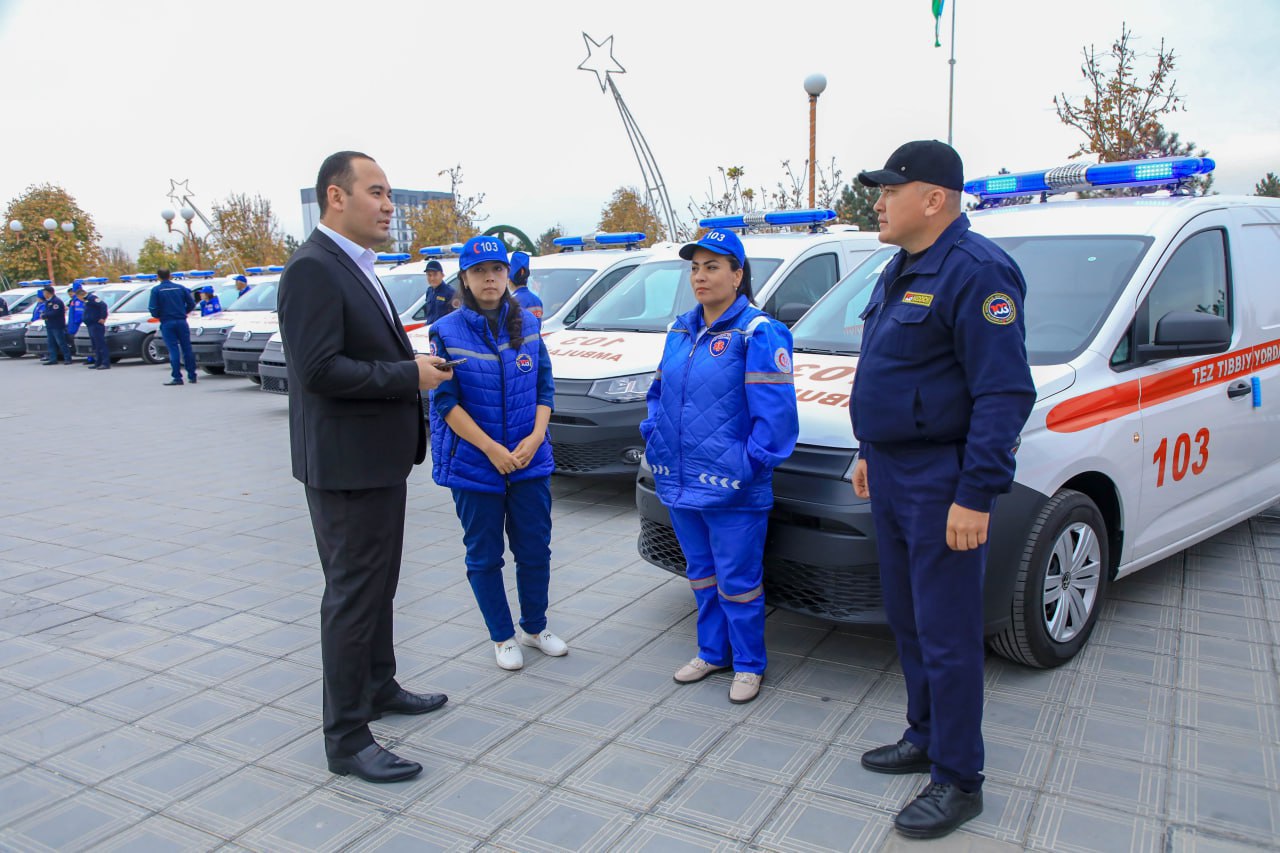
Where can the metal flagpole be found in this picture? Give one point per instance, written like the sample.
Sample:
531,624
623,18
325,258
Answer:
951,89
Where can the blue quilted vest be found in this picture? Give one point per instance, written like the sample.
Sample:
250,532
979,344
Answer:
498,388
698,445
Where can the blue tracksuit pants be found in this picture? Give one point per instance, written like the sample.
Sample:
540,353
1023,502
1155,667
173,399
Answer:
933,602
724,549
177,337
524,511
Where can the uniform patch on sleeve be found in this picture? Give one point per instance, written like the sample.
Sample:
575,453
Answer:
782,359
998,309
914,298
432,349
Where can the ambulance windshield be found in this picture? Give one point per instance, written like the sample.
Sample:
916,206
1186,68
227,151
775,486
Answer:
1072,284
404,288
555,286
261,297
654,294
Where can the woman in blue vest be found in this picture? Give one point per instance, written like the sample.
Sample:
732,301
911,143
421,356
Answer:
722,414
489,446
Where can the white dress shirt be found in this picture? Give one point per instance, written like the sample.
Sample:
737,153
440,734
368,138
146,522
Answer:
364,259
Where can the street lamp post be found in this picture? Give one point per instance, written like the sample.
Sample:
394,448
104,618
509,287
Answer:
814,85
188,214
45,249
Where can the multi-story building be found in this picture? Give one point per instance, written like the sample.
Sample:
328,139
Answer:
404,201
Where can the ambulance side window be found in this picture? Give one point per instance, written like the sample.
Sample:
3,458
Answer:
600,288
805,284
1197,278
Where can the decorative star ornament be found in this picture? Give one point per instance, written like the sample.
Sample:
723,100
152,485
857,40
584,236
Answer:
600,60
179,192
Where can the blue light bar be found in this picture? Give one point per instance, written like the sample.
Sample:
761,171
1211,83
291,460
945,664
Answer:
438,251
802,216
177,276
200,273
619,238
126,278
1083,176
41,281
392,257
275,268
255,270
146,277
97,279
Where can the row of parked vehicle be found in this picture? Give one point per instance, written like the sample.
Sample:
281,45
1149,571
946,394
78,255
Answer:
1152,329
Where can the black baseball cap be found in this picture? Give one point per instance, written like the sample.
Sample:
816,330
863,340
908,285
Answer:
926,160
434,266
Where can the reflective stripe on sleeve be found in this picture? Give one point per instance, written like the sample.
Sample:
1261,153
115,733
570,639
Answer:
743,598
770,379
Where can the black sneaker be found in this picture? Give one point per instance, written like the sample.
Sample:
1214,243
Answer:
939,810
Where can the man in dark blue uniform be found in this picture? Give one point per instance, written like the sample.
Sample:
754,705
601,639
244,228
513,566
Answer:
55,326
95,320
75,314
941,394
440,296
170,304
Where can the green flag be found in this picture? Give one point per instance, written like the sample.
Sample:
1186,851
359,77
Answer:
937,21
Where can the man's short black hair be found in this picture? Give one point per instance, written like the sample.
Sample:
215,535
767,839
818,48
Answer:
336,170
48,288
163,275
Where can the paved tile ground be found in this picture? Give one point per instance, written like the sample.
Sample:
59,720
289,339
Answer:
160,682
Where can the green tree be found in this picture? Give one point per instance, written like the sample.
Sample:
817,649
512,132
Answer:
1268,186
627,211
74,254
116,262
450,220
857,206
155,254
546,244
290,246
248,231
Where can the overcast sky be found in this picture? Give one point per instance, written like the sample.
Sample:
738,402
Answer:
111,99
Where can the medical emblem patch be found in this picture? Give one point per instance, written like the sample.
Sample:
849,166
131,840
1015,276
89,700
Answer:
999,309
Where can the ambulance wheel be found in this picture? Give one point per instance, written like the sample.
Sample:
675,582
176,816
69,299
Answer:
214,369
151,350
1061,583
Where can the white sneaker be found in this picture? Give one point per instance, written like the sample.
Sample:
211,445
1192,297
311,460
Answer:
547,642
509,654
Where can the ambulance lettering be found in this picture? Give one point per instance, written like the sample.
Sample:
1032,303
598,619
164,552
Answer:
602,341
1181,462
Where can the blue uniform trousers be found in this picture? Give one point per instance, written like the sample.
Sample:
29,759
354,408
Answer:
724,549
524,510
57,343
177,337
933,601
98,337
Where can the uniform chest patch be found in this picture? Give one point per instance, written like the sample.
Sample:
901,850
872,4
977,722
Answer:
524,362
782,359
913,298
719,344
998,309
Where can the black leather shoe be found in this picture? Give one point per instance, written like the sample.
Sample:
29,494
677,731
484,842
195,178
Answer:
405,702
174,382
940,808
192,380
901,757
375,764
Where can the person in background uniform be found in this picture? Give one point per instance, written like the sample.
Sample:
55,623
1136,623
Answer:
95,320
489,445
939,400
440,296
4,307
55,326
722,415
75,315
519,274
39,310
242,285
209,303
170,303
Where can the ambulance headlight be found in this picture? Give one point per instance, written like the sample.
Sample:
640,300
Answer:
622,389
14,327
123,327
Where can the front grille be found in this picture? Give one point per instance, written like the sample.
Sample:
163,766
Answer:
275,384
586,457
831,593
240,367
208,356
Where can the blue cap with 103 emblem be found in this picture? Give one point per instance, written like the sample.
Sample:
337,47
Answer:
719,240
480,249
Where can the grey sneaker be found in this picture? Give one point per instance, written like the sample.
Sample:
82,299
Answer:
695,670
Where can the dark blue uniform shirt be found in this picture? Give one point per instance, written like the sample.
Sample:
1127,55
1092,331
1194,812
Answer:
55,313
94,309
944,359
171,301
439,302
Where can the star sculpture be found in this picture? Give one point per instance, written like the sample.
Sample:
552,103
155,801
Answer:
179,192
600,59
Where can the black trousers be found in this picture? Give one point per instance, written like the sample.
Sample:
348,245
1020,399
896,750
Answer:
360,537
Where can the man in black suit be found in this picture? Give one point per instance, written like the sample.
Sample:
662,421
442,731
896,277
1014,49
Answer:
355,432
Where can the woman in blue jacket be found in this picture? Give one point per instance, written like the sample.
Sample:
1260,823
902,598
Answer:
722,414
489,446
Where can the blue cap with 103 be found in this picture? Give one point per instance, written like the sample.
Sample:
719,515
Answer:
481,249
719,240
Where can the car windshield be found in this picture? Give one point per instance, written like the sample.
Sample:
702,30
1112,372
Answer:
139,303
21,303
405,288
654,294
261,297
554,285
1072,283
112,295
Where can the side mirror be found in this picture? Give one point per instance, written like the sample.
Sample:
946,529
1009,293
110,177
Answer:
1187,333
792,311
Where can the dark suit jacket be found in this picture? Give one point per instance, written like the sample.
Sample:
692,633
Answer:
355,416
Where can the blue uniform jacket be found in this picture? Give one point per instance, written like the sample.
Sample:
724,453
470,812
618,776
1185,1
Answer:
41,305
95,309
210,306
500,386
529,301
439,302
722,410
55,313
75,314
170,301
944,360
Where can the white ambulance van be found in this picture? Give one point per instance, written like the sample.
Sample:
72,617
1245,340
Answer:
604,364
1153,331
586,268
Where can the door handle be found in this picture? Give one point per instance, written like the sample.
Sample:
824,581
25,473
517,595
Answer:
1239,388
